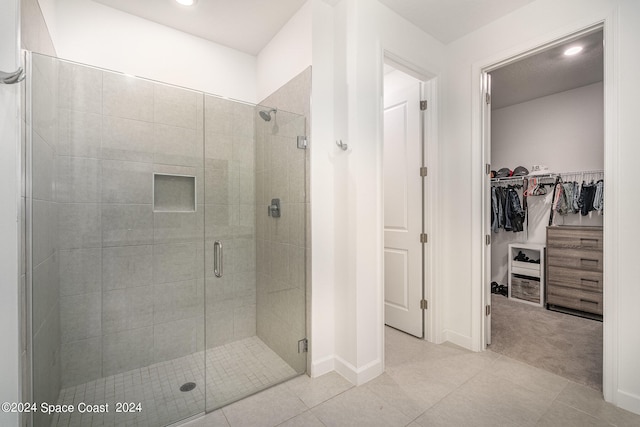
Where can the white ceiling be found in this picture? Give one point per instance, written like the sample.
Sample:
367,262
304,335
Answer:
548,72
248,25
448,20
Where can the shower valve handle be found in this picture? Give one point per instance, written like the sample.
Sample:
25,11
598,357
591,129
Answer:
274,208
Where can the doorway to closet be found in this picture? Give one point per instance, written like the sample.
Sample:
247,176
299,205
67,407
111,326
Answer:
545,129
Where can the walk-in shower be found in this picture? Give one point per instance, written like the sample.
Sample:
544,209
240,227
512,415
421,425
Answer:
157,277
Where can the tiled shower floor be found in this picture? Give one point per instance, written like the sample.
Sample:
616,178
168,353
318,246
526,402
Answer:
233,371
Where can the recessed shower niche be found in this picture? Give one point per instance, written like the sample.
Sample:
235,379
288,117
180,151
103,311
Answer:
174,193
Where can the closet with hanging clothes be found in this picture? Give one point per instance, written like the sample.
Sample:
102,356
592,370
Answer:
547,209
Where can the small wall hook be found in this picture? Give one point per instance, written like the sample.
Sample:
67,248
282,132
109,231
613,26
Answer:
11,78
343,146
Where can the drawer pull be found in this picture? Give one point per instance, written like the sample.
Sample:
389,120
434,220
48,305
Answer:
588,261
587,282
588,242
589,301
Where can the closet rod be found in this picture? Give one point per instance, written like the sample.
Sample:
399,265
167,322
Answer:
591,172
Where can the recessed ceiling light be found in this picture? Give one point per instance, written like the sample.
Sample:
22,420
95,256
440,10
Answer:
573,50
187,2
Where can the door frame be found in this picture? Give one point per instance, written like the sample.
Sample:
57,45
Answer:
429,130
480,198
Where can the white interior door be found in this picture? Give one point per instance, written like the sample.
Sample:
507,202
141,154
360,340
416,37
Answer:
403,208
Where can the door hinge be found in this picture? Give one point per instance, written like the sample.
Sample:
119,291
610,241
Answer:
302,142
487,310
487,169
423,105
424,238
303,345
487,98
424,304
423,171
487,239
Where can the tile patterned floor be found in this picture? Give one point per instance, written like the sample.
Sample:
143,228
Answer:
233,371
428,385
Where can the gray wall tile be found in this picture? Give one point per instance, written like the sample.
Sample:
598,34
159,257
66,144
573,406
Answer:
79,133
176,107
177,227
127,350
79,225
174,339
244,322
126,139
80,88
125,309
44,169
175,262
81,361
242,150
124,225
219,327
78,180
45,230
80,271
177,141
43,98
127,267
46,358
175,301
217,146
46,290
127,97
80,317
127,182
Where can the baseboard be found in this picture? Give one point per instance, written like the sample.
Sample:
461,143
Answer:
358,376
457,339
629,402
322,366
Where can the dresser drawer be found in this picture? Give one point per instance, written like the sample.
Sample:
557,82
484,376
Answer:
524,288
590,302
577,279
574,237
583,259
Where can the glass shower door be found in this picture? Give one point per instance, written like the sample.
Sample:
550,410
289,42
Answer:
117,246
255,255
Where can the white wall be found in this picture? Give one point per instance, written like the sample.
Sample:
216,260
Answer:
462,165
94,34
364,29
10,194
287,54
564,131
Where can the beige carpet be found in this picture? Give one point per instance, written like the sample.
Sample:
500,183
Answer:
566,345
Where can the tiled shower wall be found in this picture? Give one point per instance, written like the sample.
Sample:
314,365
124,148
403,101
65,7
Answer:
282,243
45,254
131,279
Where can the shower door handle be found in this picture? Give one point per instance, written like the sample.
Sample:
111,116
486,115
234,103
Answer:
217,258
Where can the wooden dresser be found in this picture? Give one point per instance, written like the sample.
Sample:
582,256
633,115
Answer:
574,270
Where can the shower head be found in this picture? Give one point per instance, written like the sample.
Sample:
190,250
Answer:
266,115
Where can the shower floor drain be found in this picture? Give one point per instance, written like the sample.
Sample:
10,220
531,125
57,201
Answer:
187,386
